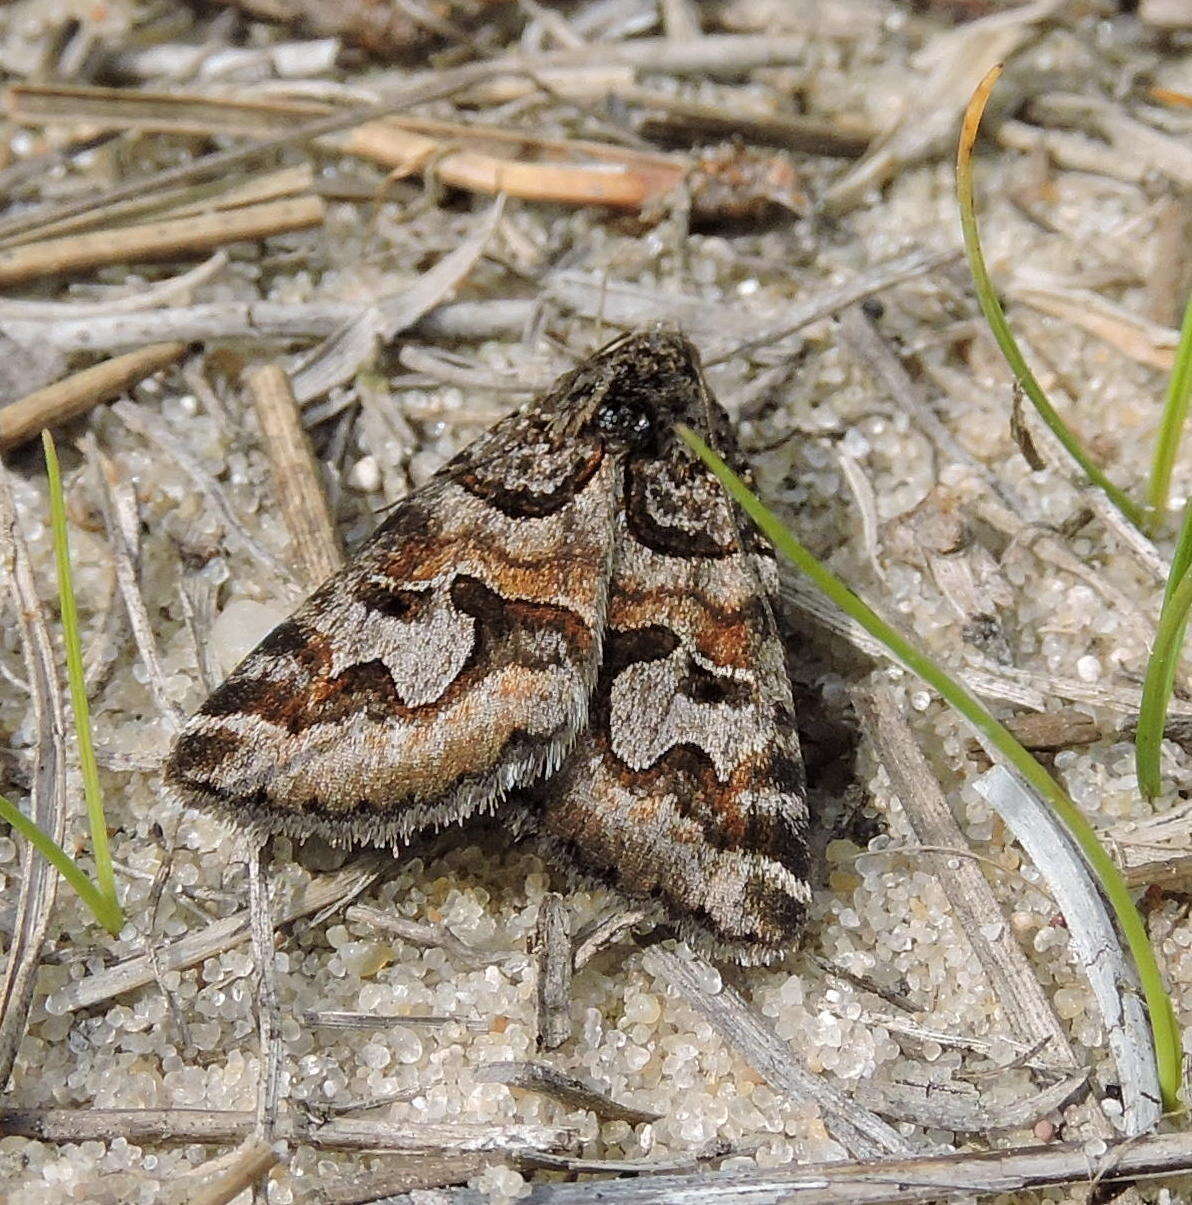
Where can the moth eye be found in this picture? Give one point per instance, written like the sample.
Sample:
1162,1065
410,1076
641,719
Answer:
626,421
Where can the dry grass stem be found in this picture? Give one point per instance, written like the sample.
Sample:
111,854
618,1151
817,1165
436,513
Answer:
672,119
426,936
314,540
327,891
157,240
260,926
56,404
552,955
121,517
962,1109
252,1161
1025,1006
261,321
402,1175
1018,1171
978,915
606,930
367,1021
1095,941
1137,337
214,1126
574,1093
860,1132
142,296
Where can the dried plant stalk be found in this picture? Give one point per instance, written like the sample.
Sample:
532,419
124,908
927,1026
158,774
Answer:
253,1160
574,1093
553,956
314,539
231,1125
158,240
74,395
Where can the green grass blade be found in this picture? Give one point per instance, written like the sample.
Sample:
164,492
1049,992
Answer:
1171,425
107,911
92,792
1162,1016
1162,665
995,316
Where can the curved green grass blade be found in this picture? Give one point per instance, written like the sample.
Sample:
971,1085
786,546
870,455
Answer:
92,792
1171,425
1162,665
106,910
995,316
1164,1028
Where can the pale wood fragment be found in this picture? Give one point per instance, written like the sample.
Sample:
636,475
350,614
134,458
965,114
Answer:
862,1133
324,892
552,952
158,240
318,551
574,1093
253,1160
230,1125
58,403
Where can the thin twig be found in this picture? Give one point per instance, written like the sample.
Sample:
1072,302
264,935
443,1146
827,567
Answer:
251,1163
118,504
427,936
604,930
318,551
552,950
260,320
405,1175
143,297
1019,1173
155,240
229,1125
328,1019
325,892
76,394
260,923
978,915
859,1131
961,1108
574,1093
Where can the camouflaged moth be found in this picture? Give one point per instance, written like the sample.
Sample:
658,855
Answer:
570,623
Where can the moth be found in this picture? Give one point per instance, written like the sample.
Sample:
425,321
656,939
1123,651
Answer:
570,623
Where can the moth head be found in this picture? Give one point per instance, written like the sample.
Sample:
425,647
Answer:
642,384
